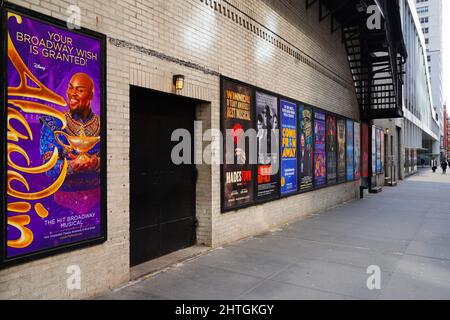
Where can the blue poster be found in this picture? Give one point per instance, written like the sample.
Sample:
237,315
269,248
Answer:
378,151
288,147
350,152
320,155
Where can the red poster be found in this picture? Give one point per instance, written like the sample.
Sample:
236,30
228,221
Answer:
365,150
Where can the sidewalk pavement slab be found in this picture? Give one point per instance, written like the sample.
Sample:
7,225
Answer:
405,231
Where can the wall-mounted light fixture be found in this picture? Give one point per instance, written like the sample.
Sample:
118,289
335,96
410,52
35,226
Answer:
387,130
178,81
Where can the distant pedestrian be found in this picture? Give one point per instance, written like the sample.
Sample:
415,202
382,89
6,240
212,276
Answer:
444,166
422,161
433,165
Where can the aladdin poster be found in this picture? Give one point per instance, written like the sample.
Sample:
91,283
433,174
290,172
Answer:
365,150
237,173
320,157
350,151
54,159
357,150
268,132
288,147
331,150
341,135
306,148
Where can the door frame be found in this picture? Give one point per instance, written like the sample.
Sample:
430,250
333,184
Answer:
202,112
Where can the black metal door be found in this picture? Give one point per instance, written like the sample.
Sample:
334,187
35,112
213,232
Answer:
162,194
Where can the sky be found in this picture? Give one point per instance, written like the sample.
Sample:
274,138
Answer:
446,49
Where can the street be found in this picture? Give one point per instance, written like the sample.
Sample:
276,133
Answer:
405,231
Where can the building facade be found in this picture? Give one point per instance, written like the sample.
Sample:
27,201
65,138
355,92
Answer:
422,129
430,18
232,57
274,45
445,143
417,135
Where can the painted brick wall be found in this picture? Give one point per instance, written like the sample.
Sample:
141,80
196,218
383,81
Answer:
276,45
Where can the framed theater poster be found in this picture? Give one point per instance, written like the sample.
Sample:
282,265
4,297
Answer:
341,137
54,166
288,147
268,133
382,142
374,151
320,157
357,150
379,167
365,151
237,169
306,151
350,152
331,150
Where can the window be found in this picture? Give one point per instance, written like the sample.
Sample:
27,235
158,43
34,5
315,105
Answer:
424,20
420,1
425,30
427,41
422,10
429,58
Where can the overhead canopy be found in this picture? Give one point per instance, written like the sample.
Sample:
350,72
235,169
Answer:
375,48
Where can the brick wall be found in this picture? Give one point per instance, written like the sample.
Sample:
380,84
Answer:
276,45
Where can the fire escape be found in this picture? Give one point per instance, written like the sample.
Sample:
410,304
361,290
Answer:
376,52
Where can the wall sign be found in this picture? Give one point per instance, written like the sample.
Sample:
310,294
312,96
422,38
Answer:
309,151
365,150
306,170
341,137
331,150
350,151
357,150
320,157
374,151
379,166
268,133
288,147
382,150
237,173
56,147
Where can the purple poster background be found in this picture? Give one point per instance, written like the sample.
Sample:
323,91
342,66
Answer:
320,157
72,213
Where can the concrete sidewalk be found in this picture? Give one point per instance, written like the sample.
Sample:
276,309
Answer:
404,230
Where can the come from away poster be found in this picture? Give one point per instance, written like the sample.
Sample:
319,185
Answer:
288,147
